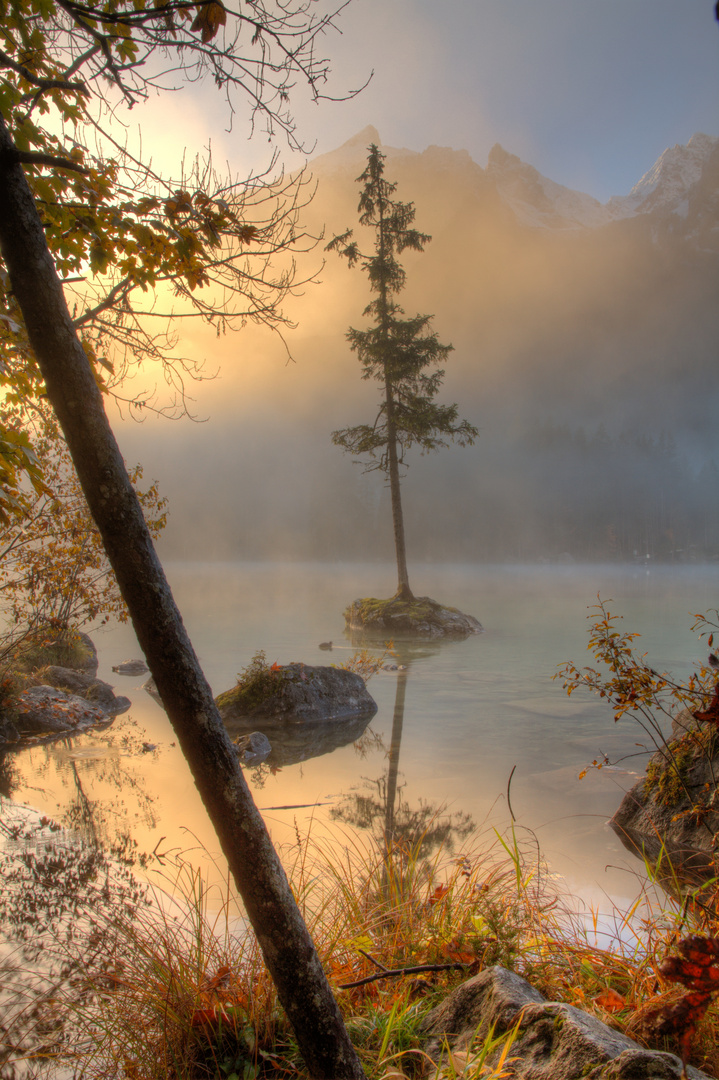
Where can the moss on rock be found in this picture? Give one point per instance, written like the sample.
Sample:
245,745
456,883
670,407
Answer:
418,616
49,647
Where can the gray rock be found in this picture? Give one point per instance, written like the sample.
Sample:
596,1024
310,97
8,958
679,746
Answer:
131,667
53,710
252,748
554,1041
312,712
305,695
87,686
150,687
43,710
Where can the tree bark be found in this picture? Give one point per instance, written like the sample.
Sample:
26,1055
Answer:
287,948
403,590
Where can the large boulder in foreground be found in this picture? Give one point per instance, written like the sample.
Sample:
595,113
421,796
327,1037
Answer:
673,809
554,1041
418,617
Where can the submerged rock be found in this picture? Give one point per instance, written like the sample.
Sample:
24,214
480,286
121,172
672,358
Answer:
252,748
554,1041
420,616
131,667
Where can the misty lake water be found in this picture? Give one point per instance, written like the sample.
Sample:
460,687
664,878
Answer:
474,709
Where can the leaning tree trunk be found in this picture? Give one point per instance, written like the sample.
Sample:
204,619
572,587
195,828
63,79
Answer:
287,948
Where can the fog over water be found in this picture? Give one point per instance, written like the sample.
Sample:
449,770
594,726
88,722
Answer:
585,356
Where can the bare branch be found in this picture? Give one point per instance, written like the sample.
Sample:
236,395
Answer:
35,80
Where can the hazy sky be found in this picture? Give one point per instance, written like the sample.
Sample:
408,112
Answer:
588,91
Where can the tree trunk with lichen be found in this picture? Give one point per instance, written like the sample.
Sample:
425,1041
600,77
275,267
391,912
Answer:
283,937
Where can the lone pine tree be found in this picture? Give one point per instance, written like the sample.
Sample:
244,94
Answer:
400,353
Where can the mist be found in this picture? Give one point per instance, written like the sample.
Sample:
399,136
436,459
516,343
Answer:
585,356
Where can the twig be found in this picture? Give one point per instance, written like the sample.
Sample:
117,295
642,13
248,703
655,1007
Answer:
386,973
509,784
373,961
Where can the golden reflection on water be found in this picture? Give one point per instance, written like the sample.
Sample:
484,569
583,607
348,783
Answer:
448,731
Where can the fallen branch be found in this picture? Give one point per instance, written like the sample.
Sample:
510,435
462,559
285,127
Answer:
394,973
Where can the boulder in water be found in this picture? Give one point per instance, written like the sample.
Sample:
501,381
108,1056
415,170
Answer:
417,617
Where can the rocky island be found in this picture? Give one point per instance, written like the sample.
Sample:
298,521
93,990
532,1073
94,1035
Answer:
416,616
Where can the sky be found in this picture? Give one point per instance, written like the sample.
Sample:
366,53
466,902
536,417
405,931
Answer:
590,93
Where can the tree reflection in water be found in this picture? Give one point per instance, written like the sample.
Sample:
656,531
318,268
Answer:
381,808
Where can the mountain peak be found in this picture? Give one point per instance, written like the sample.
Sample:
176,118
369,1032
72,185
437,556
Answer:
500,157
537,201
666,185
363,138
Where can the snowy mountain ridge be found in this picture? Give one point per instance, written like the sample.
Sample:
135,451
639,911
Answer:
684,176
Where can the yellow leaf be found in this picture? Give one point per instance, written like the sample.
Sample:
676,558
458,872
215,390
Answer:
210,17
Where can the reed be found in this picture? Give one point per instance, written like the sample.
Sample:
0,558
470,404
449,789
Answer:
181,993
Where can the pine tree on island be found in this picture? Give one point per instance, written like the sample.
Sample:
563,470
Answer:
401,354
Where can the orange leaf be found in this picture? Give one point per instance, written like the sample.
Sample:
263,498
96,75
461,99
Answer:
276,667
711,714
610,1000
217,980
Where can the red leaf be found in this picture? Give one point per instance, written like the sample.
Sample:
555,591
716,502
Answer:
698,969
209,1017
438,894
711,713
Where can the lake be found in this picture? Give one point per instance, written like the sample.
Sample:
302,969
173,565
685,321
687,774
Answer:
474,710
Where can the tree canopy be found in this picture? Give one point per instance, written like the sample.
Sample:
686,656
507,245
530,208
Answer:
135,250
400,353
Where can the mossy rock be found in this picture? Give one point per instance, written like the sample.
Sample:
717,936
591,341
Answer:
54,648
418,617
299,693
672,813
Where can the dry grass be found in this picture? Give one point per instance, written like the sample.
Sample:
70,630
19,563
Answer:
184,995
